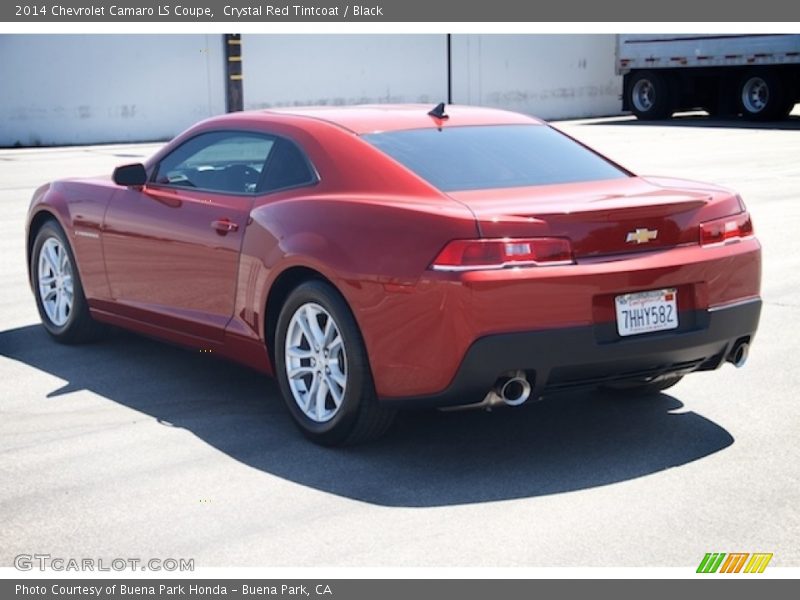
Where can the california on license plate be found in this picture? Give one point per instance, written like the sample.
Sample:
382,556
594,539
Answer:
644,312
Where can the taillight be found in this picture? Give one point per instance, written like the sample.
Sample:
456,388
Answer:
465,255
726,230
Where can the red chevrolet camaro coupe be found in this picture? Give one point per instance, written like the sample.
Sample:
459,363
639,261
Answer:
386,257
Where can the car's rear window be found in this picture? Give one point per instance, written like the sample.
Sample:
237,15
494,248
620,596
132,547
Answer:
493,156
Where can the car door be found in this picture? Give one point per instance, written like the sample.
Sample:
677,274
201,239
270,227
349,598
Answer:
172,247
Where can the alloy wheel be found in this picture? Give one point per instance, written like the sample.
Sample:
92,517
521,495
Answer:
56,290
316,362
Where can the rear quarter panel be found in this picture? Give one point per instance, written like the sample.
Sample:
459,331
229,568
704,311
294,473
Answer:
374,250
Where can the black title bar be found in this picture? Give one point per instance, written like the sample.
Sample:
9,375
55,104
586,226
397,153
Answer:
397,589
233,11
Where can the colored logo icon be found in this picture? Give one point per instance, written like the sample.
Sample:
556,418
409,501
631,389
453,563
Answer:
734,562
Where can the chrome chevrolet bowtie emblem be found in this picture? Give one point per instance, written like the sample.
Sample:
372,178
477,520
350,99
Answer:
641,236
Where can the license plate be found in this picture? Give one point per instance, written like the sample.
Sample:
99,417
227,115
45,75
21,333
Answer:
643,312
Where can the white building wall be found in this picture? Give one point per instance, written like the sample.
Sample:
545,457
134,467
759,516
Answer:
550,76
297,70
76,89
79,89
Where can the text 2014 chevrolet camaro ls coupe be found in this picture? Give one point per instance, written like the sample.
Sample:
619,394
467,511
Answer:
375,258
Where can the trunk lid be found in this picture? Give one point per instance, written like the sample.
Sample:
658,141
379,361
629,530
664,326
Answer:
601,217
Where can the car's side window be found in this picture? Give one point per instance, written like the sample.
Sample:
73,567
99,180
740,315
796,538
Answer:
287,167
222,161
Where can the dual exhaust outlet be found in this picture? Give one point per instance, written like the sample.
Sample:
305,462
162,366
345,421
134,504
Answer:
514,389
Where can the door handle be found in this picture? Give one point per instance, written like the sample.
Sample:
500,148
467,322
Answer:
224,226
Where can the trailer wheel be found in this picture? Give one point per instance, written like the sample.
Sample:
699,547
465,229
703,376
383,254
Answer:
650,96
761,96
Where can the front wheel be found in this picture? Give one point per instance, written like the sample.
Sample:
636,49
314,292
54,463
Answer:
323,371
57,286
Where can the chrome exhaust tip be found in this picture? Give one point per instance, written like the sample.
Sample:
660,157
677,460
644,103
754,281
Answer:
514,390
738,356
511,389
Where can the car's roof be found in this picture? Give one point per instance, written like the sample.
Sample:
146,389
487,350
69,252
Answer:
394,117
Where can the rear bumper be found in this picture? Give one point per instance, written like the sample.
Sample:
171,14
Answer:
588,356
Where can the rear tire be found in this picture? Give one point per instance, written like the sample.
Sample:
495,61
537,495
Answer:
58,290
323,371
650,96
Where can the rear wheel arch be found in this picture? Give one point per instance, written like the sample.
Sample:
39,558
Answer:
279,291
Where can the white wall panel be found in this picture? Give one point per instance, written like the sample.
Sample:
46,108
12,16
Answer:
296,70
550,76
74,89
77,89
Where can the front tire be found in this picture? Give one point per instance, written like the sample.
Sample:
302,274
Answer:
57,286
323,371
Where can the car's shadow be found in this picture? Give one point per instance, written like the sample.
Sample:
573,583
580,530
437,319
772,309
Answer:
566,443
694,119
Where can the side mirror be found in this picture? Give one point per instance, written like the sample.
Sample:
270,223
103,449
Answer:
130,175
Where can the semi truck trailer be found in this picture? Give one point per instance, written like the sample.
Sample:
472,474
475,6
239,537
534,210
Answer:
753,76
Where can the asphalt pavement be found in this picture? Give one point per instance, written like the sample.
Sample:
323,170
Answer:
133,448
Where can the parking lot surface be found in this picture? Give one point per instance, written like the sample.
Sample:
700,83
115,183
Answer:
133,448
